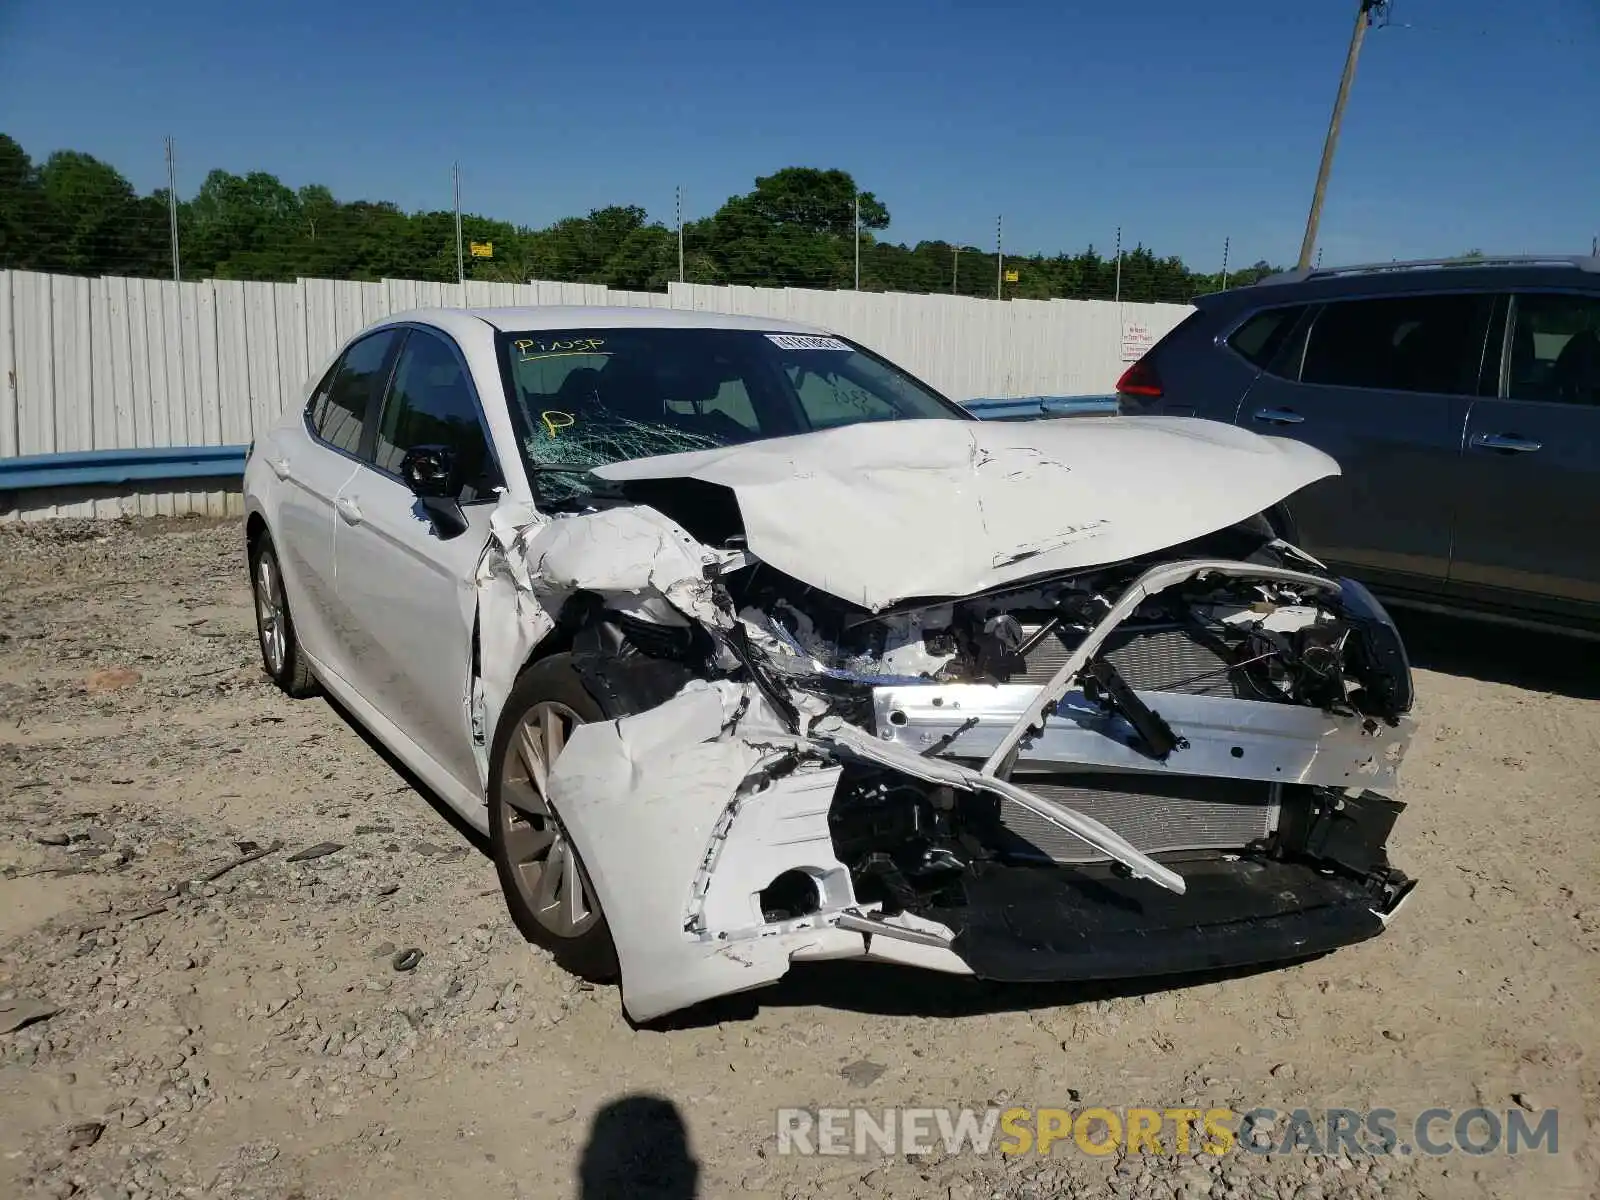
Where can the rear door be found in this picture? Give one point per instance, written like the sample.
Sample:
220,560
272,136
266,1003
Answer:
1527,525
1383,386
408,591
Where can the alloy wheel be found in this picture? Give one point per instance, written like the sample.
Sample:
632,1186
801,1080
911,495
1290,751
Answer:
545,868
270,613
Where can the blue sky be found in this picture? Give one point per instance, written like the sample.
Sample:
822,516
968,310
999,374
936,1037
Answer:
1472,123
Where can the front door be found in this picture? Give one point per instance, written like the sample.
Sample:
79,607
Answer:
313,460
1527,526
1383,386
410,588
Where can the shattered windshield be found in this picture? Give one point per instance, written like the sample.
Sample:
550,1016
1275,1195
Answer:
586,397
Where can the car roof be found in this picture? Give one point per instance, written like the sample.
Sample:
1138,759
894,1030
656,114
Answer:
1400,278
568,316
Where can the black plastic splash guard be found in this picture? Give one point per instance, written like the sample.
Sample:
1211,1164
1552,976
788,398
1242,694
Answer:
1042,924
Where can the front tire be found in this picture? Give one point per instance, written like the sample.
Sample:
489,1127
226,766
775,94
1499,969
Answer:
546,887
280,649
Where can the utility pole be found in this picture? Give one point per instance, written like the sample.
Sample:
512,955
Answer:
680,233
955,271
1119,264
1364,13
461,263
172,207
1225,242
857,219
999,255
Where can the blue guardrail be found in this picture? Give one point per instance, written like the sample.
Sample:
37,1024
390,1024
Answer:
86,467
1028,408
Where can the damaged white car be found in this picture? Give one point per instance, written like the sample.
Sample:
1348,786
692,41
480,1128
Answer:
746,648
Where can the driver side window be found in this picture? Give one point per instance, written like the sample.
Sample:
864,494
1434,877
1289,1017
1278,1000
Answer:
431,403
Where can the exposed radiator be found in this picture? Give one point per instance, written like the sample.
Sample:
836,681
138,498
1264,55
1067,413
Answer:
1163,660
1155,812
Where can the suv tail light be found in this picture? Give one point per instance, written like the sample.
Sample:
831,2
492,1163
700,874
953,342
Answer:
1141,380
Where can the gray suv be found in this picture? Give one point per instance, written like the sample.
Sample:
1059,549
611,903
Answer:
1461,399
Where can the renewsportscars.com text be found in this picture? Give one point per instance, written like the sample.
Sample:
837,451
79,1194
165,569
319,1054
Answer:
1100,1130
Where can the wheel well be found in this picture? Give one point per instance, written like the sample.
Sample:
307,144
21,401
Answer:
558,641
254,527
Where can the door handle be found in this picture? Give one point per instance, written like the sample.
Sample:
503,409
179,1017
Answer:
280,467
348,509
1506,442
1279,416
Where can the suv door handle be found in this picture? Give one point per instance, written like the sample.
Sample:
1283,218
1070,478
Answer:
1505,442
1278,416
348,509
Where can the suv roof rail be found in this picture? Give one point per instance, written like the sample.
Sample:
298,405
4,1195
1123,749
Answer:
1578,262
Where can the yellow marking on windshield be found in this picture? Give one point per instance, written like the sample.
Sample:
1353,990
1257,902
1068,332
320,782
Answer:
554,419
566,354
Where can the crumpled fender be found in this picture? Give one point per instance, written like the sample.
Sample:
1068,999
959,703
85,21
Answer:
638,560
646,800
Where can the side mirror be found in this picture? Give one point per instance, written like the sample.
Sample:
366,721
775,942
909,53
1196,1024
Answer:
430,473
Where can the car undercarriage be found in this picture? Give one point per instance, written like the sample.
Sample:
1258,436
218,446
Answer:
1172,762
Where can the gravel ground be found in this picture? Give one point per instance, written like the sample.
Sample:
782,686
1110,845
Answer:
215,888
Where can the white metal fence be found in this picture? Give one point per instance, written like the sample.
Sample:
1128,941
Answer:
111,363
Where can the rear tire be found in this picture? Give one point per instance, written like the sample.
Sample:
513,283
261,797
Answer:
546,887
280,649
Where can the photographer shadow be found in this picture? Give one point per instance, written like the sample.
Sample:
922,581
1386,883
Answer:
638,1147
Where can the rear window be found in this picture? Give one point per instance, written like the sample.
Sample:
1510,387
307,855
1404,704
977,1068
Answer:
1259,338
1399,344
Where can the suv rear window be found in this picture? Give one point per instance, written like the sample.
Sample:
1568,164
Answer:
1258,339
1399,344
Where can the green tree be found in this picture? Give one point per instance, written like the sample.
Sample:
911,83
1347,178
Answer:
93,222
245,227
22,207
796,226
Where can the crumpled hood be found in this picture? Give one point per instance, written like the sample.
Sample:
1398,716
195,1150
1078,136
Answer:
881,512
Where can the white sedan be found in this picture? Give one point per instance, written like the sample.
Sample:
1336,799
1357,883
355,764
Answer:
744,648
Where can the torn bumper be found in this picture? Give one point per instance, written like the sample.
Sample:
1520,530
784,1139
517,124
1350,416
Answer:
679,865
1052,924
683,829
692,816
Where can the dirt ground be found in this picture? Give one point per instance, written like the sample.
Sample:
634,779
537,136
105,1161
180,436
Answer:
250,1036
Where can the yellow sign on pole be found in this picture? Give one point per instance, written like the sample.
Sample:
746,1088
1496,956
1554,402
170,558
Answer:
482,249
1011,276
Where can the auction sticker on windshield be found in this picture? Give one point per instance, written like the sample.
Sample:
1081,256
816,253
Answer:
800,341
